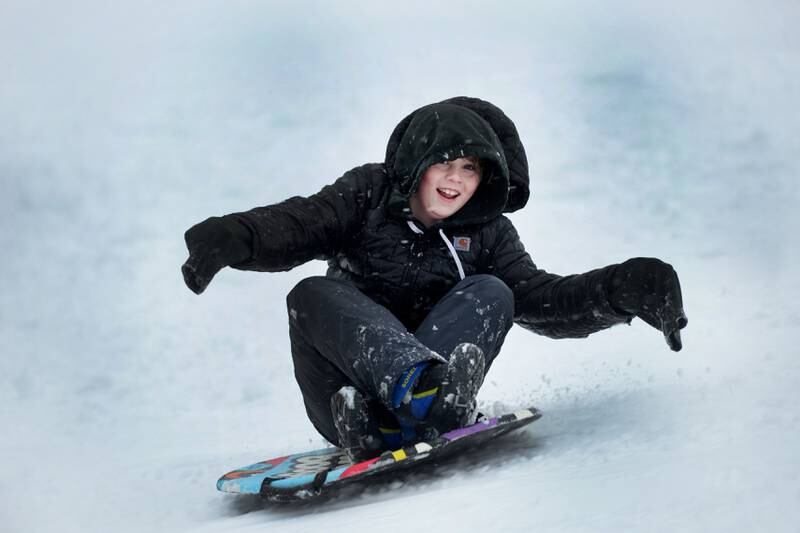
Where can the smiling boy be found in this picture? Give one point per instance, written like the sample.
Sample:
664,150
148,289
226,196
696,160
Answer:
425,278
444,189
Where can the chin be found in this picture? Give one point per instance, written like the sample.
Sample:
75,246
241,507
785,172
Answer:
439,216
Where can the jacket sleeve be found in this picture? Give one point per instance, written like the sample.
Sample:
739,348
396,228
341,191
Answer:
548,304
300,229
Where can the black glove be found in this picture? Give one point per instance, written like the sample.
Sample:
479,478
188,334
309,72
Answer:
215,243
649,289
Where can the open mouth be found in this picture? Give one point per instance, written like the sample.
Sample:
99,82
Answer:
448,194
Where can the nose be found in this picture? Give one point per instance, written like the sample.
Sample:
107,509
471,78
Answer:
453,174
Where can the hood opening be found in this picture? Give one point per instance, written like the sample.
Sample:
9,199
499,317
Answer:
444,132
508,143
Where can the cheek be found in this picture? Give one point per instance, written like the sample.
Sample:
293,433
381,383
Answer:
427,186
471,188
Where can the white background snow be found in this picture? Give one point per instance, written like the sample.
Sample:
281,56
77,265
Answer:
655,129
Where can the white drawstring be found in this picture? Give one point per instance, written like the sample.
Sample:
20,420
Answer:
414,228
453,253
450,247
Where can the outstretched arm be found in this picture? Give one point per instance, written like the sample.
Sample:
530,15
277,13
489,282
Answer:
281,236
581,304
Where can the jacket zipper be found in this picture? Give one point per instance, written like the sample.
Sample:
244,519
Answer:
416,252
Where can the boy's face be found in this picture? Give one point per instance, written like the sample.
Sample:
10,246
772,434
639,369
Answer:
444,189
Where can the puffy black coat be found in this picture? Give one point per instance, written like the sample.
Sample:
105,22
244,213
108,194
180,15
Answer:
363,226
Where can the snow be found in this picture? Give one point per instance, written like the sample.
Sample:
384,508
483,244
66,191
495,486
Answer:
349,395
652,130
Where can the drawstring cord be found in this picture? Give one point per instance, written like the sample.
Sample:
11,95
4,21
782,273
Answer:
453,253
450,246
414,228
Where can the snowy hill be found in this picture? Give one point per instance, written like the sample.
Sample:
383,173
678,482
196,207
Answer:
652,131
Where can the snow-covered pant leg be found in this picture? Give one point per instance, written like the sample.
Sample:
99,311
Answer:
479,309
339,336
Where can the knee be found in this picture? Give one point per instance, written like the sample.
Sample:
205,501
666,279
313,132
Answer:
303,291
488,287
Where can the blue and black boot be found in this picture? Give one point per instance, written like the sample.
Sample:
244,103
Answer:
438,397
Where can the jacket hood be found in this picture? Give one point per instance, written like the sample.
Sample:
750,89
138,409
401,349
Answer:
460,127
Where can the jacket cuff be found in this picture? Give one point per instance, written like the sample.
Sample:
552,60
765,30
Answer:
607,307
243,242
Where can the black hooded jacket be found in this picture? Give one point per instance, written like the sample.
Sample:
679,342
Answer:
363,226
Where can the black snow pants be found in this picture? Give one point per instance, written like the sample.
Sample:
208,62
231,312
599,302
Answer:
339,336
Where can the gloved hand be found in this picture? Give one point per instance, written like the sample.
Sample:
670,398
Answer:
649,289
215,243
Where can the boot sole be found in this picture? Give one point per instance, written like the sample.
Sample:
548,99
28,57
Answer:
455,403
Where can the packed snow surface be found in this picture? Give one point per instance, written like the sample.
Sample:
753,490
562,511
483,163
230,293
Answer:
653,129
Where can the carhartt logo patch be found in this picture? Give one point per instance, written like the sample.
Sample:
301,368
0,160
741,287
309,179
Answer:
461,243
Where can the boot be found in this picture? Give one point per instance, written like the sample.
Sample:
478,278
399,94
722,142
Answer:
358,433
443,396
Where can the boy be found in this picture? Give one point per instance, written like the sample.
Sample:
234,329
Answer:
425,278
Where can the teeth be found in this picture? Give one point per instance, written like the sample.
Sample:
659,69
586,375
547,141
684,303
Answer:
449,193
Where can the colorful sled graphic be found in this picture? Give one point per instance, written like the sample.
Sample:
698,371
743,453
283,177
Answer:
307,475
